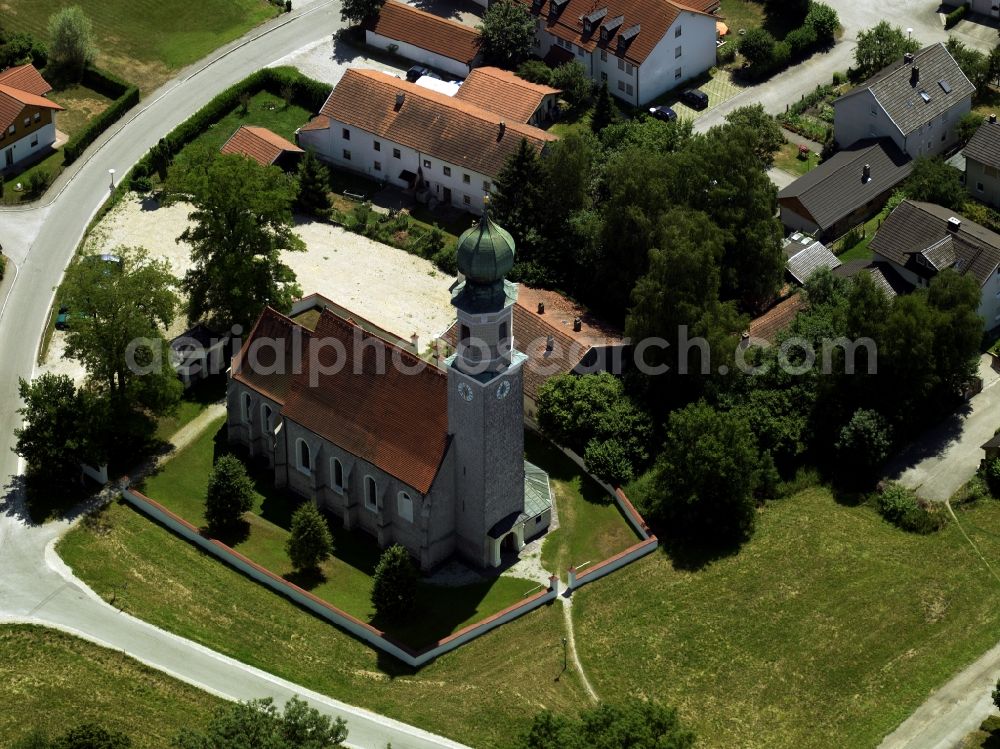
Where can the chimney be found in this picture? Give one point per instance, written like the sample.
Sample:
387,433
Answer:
550,342
993,119
954,224
400,98
541,308
503,129
914,75
866,173
577,324
908,58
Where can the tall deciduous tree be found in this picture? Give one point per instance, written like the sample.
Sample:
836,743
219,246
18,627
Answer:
309,542
506,34
358,11
258,723
242,224
120,306
635,723
230,494
879,46
933,181
71,43
394,587
766,131
757,47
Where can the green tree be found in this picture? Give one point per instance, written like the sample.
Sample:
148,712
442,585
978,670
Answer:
242,223
120,308
955,298
704,481
92,736
863,444
258,724
71,43
506,34
605,112
609,461
934,181
359,11
996,695
314,186
535,71
974,64
571,78
765,129
521,199
788,11
648,135
824,21
635,723
757,47
993,66
230,493
394,586
880,46
160,158
968,125
991,474
309,542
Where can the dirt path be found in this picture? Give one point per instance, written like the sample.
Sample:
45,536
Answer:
567,602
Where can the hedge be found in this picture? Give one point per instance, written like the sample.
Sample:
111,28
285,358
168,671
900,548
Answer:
955,16
306,92
125,97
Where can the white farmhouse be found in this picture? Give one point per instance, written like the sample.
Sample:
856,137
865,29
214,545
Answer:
641,48
27,118
439,146
916,102
423,37
919,240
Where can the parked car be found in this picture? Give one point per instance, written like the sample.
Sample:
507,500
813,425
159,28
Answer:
695,98
62,319
663,113
416,72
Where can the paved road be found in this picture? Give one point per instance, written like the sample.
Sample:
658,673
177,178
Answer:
34,584
947,456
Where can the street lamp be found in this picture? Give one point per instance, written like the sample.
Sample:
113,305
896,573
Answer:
111,172
909,32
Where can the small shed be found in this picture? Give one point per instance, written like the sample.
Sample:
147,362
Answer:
992,448
198,353
263,146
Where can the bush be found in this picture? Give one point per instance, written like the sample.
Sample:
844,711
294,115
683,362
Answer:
782,56
394,585
955,16
535,71
572,79
839,78
968,125
991,474
801,41
140,183
725,54
230,493
824,22
901,507
609,461
309,541
38,182
757,47
125,97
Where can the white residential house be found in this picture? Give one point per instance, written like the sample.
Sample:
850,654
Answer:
916,102
641,48
27,118
982,163
444,149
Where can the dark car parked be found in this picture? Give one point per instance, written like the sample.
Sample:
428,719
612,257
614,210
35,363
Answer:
663,113
416,72
695,98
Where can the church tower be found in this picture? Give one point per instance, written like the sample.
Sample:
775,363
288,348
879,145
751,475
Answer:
485,398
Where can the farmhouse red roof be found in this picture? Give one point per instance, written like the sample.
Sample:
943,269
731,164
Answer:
504,93
441,36
259,144
13,101
25,78
436,125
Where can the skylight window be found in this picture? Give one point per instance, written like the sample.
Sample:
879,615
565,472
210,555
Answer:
945,86
925,96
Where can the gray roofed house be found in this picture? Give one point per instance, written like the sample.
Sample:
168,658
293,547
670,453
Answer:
982,163
919,240
805,256
916,102
881,272
845,190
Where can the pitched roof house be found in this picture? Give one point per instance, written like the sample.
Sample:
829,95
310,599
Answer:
27,118
845,190
430,458
919,240
982,163
509,95
805,256
446,149
916,102
641,48
261,145
424,37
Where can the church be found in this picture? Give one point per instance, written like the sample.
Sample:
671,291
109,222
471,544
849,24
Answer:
429,457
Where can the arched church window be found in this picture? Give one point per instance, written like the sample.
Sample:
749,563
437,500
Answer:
404,506
337,474
245,408
304,456
371,494
266,415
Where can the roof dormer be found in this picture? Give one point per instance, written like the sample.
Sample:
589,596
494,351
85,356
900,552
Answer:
593,18
555,8
609,27
625,38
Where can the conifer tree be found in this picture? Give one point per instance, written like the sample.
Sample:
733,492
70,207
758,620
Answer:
310,542
395,585
605,111
230,493
314,186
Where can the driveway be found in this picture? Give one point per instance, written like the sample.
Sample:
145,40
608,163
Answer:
947,456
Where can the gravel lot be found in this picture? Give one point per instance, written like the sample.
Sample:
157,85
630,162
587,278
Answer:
327,60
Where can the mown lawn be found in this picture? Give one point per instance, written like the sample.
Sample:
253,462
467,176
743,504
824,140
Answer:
345,580
483,694
146,41
52,681
195,400
591,527
787,159
81,105
826,630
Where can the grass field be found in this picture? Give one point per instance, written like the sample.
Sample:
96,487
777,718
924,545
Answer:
146,41
53,681
345,580
481,694
196,398
787,159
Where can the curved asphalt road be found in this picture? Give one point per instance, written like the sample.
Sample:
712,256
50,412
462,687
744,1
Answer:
35,586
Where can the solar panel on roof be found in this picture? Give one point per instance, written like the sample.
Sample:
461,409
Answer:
945,86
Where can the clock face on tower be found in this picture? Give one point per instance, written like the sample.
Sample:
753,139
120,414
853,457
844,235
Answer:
465,391
503,390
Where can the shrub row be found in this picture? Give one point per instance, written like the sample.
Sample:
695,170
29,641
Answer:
304,91
955,16
901,507
125,97
768,56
